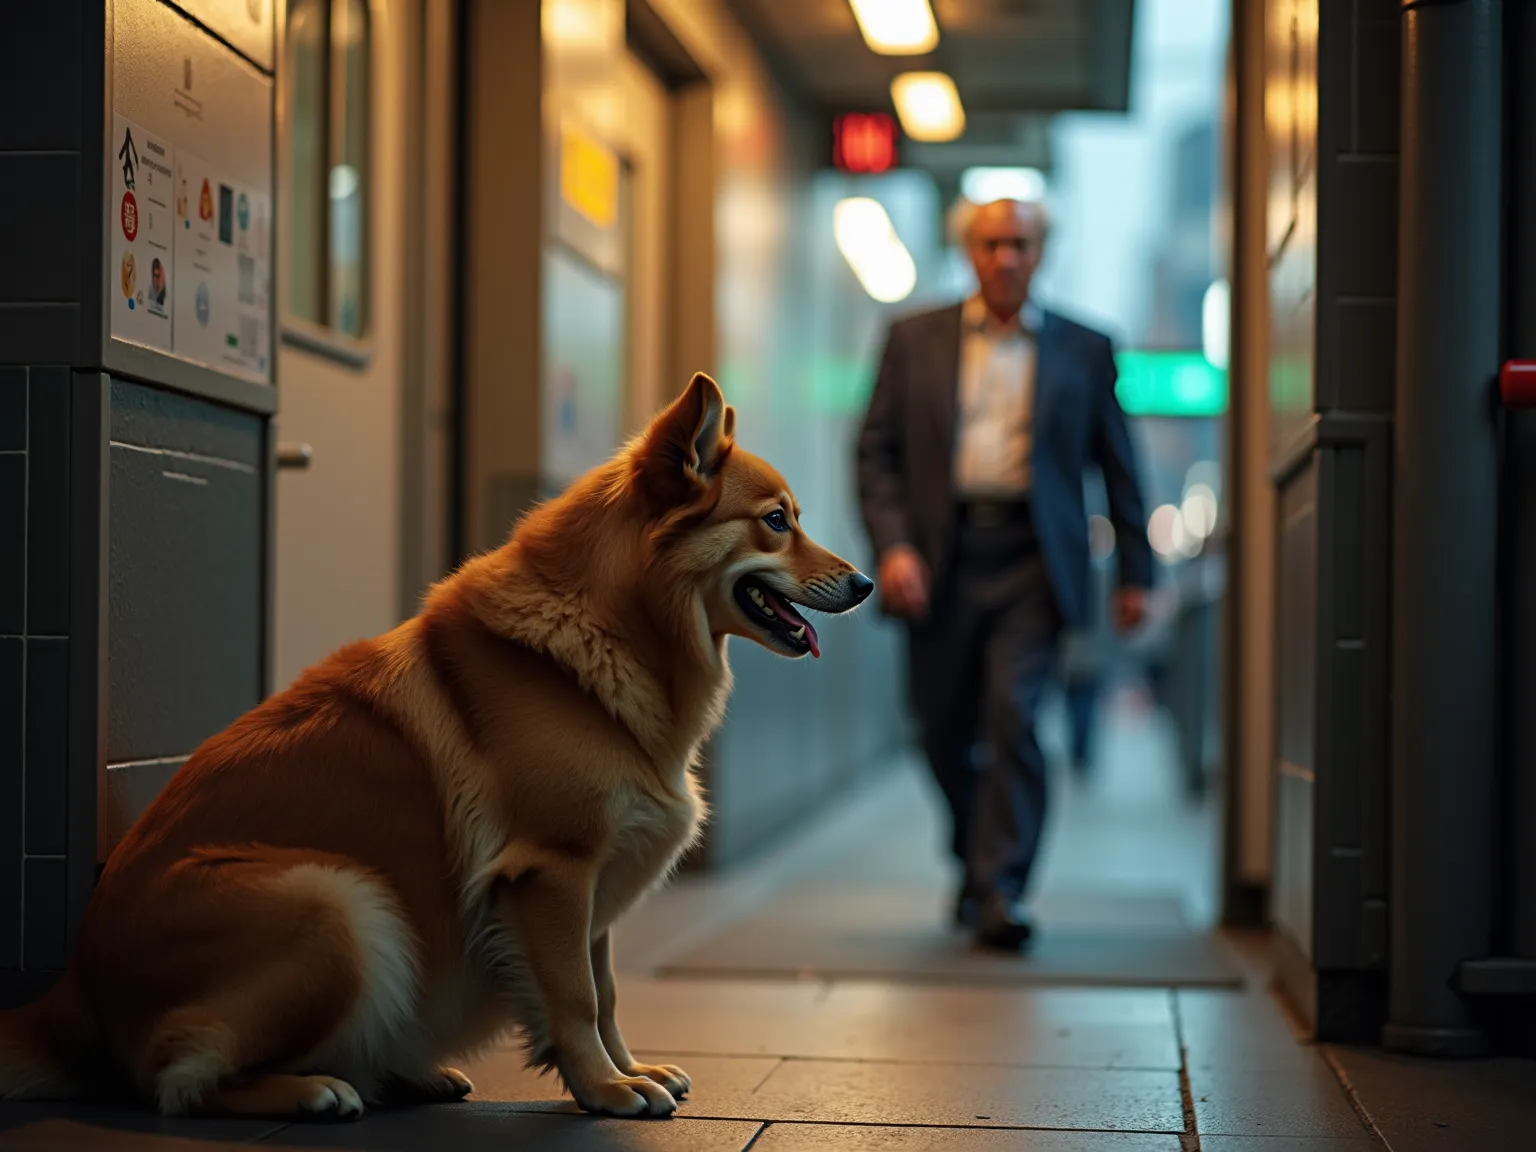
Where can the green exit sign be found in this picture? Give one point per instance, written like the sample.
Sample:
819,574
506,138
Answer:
1170,384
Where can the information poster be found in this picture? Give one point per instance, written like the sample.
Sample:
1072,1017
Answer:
143,227
192,257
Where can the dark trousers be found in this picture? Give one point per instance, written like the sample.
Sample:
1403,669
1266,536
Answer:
1082,698
980,665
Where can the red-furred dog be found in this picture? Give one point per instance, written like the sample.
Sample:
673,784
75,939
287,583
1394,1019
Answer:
423,842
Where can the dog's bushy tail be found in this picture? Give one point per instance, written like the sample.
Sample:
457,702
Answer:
48,1047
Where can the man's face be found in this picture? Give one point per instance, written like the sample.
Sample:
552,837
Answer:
1005,243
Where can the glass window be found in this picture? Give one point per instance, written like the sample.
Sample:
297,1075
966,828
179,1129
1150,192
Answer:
328,85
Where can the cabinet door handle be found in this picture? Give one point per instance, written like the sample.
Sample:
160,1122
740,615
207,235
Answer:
292,455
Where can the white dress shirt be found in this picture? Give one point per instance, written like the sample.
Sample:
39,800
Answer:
995,401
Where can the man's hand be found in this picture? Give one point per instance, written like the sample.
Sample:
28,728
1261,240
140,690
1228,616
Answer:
904,582
1130,609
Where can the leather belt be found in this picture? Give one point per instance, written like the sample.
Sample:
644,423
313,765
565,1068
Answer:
984,512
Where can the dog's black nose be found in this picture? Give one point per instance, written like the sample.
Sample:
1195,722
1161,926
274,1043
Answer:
861,586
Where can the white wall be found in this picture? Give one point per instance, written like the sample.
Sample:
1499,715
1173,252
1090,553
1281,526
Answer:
338,522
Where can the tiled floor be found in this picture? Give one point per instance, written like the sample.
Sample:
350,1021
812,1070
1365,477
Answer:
864,1065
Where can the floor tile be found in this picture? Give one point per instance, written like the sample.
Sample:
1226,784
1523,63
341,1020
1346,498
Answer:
1070,1028
1289,1144
724,1017
872,1138
469,1127
1066,1029
1301,1102
1443,1105
1241,1032
67,1127
989,1096
885,932
719,1082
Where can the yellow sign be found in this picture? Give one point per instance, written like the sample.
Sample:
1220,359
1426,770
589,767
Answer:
589,177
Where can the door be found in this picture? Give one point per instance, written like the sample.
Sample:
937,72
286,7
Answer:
361,368
647,148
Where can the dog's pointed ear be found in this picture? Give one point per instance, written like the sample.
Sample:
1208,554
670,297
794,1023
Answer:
692,436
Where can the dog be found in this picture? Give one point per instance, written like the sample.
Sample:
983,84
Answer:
422,843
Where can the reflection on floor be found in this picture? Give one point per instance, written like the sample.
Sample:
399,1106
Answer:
969,1058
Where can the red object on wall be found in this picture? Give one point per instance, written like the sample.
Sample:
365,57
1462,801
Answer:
864,142
1517,384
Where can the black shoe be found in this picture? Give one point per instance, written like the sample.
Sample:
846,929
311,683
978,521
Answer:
967,908
999,925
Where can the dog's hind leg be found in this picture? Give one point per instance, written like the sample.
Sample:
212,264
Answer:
323,983
284,1095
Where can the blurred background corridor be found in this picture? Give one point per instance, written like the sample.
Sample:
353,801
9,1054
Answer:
466,248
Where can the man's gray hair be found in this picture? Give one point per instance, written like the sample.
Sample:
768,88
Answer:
963,214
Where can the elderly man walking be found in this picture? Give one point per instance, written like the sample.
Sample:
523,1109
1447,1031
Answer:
984,418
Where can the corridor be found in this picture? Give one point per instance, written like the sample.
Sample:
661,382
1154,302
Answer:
935,1048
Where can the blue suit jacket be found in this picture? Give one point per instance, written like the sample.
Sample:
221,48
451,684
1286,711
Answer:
906,451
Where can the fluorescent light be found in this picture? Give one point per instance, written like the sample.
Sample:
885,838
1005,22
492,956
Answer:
1216,323
896,27
859,222
929,106
1199,511
868,241
343,182
984,185
1165,532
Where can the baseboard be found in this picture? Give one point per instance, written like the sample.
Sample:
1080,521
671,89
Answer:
1246,906
1338,1006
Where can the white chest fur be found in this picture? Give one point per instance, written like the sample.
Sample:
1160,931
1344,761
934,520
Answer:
650,837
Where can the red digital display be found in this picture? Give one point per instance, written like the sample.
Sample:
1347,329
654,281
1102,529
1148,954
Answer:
864,142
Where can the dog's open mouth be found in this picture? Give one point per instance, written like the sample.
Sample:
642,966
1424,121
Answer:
777,616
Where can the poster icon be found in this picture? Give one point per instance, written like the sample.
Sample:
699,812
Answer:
130,276
157,282
226,214
203,303
205,203
129,155
244,209
129,213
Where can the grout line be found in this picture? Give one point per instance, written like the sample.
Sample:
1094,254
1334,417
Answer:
936,1126
762,1127
26,568
897,1062
1189,1140
1351,1094
1004,983
262,1136
777,1064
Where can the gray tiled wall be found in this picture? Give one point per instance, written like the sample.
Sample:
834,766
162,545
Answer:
1334,314
34,665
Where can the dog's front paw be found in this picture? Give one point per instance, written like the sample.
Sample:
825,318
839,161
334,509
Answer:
448,1084
669,1076
628,1096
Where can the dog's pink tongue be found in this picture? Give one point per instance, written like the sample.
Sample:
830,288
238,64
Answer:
786,611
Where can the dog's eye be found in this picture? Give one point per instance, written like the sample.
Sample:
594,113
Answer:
776,521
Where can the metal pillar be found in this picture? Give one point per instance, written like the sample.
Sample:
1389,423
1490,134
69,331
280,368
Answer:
1445,523
1519,601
